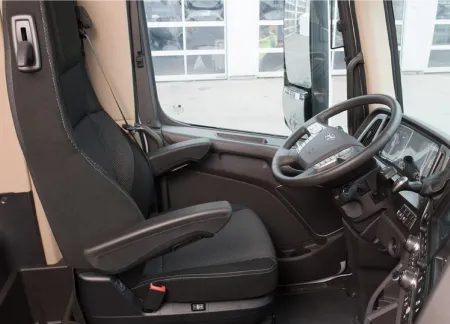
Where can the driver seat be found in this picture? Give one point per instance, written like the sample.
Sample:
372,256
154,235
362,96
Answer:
98,191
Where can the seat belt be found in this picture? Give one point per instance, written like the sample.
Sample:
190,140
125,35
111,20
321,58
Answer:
85,23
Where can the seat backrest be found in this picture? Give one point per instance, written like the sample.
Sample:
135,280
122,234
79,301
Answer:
93,180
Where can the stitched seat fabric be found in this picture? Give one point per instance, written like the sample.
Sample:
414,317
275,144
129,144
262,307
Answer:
237,263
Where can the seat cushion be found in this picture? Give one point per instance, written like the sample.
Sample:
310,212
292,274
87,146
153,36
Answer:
237,263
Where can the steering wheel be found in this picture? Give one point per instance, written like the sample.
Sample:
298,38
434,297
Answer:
329,153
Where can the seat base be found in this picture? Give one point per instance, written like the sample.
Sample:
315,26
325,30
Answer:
106,300
217,268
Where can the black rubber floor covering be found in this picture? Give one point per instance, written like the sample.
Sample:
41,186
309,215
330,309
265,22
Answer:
324,307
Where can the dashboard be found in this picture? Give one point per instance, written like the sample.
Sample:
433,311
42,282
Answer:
411,152
415,152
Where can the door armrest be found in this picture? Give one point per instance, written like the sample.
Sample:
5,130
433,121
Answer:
157,236
175,155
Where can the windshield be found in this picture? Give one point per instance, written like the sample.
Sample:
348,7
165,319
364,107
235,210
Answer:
262,66
423,33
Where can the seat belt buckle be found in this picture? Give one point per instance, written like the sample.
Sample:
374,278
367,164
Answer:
155,298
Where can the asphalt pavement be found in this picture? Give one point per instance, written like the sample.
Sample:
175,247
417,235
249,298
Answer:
256,104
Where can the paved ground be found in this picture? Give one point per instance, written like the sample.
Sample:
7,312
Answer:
256,104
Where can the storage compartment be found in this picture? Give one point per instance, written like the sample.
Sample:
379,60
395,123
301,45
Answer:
306,264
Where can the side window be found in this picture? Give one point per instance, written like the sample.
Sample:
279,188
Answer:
423,34
220,63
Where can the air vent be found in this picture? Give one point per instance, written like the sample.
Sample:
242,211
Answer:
371,132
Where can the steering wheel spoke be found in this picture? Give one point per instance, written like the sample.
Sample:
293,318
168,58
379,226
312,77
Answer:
286,157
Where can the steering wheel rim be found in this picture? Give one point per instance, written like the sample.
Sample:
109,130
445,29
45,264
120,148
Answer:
312,176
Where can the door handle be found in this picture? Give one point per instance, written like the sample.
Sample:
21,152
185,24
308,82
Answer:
26,45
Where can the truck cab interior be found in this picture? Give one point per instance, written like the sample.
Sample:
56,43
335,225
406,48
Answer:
112,211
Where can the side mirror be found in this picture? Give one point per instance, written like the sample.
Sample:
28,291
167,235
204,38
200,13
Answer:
306,60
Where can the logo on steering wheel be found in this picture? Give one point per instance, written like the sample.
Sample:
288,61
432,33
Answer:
330,136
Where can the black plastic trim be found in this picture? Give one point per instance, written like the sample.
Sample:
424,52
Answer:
147,96
106,300
393,42
158,235
351,68
352,48
176,155
20,239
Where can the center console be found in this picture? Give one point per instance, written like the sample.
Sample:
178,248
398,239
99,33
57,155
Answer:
414,278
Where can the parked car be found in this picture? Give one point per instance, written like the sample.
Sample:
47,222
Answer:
204,10
166,39
158,11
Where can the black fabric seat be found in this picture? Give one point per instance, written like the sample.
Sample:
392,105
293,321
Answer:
95,182
237,263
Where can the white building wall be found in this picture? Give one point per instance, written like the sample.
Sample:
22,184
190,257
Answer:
242,38
418,27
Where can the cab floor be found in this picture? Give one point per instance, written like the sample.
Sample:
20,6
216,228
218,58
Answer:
321,307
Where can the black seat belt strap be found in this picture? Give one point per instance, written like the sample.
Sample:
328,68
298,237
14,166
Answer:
84,23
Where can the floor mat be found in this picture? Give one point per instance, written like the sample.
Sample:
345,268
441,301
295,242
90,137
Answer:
323,307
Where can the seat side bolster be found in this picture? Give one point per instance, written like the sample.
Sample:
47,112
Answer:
158,235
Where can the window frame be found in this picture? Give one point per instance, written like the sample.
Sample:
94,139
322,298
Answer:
352,48
391,25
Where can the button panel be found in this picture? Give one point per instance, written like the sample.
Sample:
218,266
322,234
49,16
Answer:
406,217
417,263
333,160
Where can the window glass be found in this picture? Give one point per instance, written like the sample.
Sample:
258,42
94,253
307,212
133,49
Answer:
271,36
166,39
399,31
439,58
168,65
339,60
205,38
399,7
424,30
204,10
157,10
441,35
271,62
187,39
222,63
443,11
205,64
271,10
